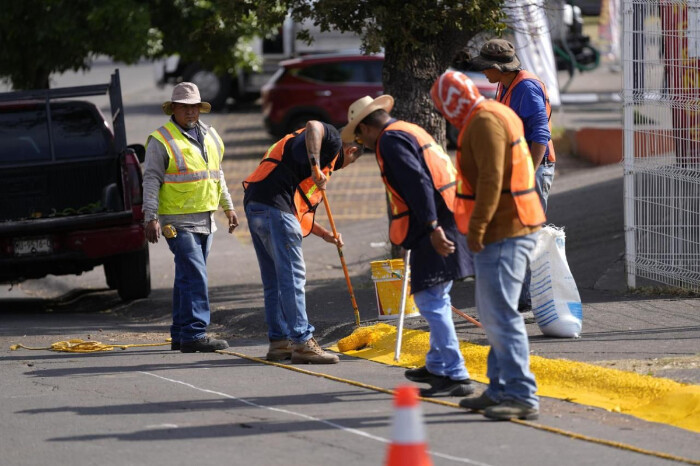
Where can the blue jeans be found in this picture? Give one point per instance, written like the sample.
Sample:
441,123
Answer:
500,268
277,241
190,291
444,357
544,176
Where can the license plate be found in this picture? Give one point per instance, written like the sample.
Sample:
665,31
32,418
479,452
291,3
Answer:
32,246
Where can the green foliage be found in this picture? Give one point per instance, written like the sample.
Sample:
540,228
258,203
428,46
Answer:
43,36
40,37
411,24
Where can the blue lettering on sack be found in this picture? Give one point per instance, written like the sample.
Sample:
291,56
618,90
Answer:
575,309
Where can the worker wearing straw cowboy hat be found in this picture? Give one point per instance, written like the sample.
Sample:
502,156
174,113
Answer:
183,186
419,178
281,197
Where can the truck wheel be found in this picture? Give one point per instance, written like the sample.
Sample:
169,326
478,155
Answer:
134,275
112,273
212,88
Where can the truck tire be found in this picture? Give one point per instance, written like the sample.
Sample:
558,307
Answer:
133,275
112,273
212,88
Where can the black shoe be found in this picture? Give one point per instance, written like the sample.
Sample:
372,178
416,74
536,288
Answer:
174,346
420,375
203,345
477,403
511,409
445,386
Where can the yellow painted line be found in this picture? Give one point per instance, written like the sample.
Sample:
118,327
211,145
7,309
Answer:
545,428
650,398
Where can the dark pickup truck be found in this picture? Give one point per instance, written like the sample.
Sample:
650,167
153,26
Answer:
70,189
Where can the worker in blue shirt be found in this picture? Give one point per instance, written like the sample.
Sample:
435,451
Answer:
527,96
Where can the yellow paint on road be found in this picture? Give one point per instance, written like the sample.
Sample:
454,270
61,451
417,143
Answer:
649,398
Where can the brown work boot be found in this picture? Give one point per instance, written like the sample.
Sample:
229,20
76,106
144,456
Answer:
310,353
280,350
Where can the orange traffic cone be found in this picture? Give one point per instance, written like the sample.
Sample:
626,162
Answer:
408,446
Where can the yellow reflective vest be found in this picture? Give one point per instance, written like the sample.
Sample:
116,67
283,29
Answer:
192,184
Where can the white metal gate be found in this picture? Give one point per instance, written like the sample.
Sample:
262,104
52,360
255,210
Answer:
661,94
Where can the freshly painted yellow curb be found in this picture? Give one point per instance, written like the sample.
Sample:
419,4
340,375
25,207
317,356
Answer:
649,398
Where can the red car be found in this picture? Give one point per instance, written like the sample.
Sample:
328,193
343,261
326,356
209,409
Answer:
322,87
319,87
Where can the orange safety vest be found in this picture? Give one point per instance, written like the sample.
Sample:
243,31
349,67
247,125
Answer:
522,178
505,100
307,196
442,173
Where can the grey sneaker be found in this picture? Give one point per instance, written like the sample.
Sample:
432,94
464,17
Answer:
511,409
203,345
279,350
477,403
310,352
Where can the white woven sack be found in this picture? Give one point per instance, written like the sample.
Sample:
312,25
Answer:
556,302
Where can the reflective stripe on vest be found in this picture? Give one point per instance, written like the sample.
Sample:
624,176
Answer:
440,167
307,196
522,178
505,100
191,184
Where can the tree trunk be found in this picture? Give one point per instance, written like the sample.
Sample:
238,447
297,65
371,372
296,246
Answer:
408,76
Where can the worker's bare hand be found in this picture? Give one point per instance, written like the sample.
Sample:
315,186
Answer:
475,245
329,238
319,178
442,245
153,231
232,220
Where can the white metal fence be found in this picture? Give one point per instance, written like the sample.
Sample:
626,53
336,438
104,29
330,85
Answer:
661,66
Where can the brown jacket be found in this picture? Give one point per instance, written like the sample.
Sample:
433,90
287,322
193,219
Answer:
486,164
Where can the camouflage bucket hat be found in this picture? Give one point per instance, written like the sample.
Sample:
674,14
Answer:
498,54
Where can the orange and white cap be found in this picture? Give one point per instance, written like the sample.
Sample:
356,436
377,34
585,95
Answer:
455,96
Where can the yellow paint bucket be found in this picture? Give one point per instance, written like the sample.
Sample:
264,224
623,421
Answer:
387,276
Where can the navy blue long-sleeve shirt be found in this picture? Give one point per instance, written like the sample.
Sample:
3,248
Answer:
406,171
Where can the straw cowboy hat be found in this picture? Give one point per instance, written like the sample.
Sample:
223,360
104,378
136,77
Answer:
186,93
360,109
498,54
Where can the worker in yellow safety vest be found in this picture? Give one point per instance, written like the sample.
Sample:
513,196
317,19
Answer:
183,186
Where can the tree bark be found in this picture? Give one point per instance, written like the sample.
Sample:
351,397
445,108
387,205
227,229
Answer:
408,76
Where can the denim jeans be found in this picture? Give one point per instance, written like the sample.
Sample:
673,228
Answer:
444,357
277,241
544,176
500,268
190,291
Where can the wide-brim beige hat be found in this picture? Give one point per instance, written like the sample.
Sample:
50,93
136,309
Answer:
186,93
360,109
